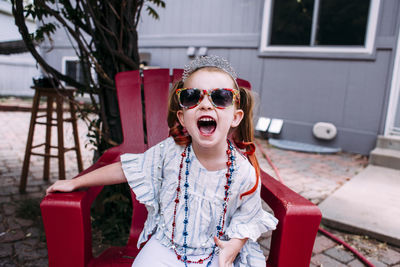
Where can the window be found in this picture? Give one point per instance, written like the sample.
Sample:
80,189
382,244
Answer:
319,25
72,68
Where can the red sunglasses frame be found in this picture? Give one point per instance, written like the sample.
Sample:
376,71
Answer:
208,93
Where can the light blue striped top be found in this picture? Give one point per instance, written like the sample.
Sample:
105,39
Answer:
153,177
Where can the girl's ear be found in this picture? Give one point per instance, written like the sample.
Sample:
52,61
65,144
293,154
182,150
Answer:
237,117
179,114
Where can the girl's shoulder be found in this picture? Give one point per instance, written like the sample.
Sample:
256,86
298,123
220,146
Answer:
167,144
246,171
167,148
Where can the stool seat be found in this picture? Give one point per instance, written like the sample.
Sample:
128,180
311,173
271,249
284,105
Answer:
58,96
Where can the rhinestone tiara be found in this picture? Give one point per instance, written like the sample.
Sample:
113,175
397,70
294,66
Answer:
208,61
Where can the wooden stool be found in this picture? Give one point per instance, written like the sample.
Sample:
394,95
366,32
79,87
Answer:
57,96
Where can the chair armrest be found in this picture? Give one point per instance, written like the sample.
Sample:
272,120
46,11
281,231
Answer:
66,220
293,240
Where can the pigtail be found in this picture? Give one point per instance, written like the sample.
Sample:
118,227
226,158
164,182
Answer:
243,136
175,128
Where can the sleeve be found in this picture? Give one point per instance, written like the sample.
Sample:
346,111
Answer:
144,174
250,220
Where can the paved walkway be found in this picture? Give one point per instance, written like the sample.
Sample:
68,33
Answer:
313,176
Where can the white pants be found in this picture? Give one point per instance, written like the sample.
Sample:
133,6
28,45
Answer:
155,254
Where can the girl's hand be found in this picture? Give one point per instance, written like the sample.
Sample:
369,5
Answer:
62,186
228,250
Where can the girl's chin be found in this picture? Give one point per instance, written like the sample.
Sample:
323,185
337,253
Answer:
208,140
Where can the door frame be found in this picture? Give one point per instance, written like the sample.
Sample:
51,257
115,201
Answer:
394,97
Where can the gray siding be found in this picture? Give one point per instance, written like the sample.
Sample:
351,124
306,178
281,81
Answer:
351,92
205,17
17,70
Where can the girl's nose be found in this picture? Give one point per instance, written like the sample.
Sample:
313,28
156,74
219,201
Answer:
205,103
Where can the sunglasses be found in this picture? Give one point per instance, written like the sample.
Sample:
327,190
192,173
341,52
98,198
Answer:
219,97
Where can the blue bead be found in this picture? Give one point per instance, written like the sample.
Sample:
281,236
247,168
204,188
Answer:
232,169
185,246
186,185
187,172
184,257
185,233
218,227
186,208
187,160
186,196
185,221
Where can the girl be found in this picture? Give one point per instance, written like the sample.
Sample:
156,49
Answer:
201,191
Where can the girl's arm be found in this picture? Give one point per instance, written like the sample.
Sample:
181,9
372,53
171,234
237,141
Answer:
110,174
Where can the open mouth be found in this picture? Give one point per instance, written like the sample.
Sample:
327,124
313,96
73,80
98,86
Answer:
206,125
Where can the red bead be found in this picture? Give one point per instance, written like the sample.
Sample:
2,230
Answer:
226,187
227,175
200,261
179,257
173,224
228,163
221,233
178,189
176,200
183,154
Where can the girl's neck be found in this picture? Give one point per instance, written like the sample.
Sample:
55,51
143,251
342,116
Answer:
213,158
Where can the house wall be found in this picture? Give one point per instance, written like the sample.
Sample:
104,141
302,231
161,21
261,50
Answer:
17,70
349,91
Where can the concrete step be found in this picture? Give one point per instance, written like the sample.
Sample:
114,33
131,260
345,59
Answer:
366,205
389,142
385,157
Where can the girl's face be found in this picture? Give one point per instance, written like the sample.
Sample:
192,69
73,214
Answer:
207,125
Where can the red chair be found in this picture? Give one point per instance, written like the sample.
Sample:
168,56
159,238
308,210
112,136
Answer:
66,216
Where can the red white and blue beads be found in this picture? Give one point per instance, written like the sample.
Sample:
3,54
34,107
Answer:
221,223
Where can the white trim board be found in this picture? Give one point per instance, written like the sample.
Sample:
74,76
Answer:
394,92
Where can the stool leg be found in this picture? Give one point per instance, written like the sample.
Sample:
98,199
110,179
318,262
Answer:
28,149
49,114
60,136
76,136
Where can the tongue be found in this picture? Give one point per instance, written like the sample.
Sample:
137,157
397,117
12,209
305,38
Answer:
207,129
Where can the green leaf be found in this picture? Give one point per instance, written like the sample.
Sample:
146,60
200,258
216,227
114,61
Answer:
152,12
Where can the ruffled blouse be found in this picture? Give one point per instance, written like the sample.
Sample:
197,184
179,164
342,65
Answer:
153,177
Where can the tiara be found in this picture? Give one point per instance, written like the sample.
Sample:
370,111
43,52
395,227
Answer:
208,61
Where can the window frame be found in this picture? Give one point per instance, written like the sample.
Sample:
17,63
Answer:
368,48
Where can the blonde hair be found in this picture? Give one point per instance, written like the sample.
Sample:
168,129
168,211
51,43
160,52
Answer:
242,135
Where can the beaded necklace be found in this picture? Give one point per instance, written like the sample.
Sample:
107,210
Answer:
220,227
